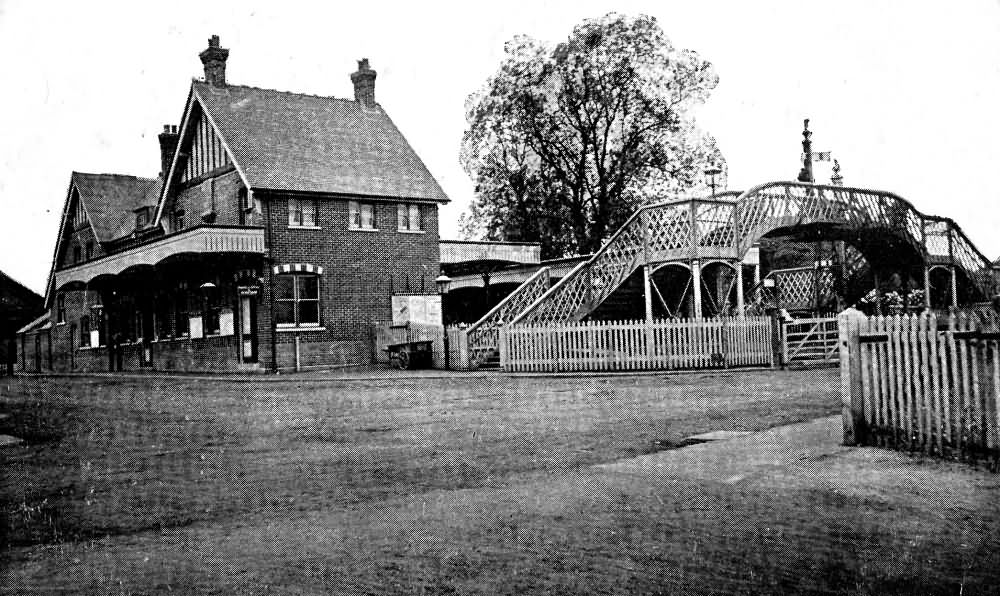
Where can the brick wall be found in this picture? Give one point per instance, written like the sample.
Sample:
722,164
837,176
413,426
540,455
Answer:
361,271
79,238
221,191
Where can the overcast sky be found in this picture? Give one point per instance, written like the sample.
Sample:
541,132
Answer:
905,94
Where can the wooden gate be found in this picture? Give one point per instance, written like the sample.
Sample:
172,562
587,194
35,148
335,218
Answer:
922,383
806,341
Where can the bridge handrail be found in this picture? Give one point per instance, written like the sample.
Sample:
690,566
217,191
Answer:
569,277
574,276
480,326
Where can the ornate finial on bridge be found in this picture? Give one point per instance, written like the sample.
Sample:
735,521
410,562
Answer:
836,179
806,173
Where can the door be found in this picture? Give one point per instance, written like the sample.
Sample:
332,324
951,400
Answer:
248,328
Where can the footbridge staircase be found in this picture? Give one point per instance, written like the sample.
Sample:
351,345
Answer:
723,228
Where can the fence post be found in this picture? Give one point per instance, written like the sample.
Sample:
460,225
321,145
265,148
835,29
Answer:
503,349
777,340
850,377
463,349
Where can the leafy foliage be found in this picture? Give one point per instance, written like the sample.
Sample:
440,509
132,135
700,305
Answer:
565,141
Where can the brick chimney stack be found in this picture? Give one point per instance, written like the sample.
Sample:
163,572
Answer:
364,84
168,144
214,58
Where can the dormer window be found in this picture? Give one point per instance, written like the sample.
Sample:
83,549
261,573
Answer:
141,218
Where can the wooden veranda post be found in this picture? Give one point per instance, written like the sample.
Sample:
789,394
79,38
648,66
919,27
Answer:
954,286
696,286
927,287
740,301
849,323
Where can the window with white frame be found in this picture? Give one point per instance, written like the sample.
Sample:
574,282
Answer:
362,216
409,217
61,308
301,213
181,310
212,311
85,331
296,300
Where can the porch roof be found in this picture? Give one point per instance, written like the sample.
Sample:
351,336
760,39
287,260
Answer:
198,240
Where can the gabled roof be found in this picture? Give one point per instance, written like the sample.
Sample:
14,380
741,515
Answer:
15,291
111,199
18,305
294,142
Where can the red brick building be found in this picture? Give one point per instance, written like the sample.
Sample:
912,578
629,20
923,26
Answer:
278,230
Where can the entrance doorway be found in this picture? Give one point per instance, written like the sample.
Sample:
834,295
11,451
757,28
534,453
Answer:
248,324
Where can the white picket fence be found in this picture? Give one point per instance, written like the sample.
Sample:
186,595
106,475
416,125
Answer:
922,383
638,345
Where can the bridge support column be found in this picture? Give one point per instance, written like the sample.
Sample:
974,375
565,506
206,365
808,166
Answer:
740,308
954,286
647,278
696,284
927,287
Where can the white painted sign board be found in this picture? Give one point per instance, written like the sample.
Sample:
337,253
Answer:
416,309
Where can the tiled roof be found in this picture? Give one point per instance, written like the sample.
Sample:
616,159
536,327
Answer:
111,200
290,141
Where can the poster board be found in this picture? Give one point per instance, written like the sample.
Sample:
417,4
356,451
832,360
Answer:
425,309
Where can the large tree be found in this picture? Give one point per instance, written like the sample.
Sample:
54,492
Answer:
565,141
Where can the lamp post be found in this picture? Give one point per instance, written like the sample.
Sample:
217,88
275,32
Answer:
443,282
712,172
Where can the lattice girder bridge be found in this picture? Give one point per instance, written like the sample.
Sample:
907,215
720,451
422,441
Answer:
723,228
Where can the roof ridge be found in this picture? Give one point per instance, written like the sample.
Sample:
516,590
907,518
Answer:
298,93
111,174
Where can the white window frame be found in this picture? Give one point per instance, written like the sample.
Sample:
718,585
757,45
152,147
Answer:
60,309
295,300
302,206
361,216
410,218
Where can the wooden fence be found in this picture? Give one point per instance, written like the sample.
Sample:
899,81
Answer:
384,334
922,383
638,345
808,341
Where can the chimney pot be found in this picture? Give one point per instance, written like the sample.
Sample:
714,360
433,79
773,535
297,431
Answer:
214,59
364,84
